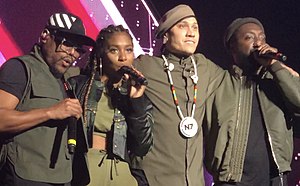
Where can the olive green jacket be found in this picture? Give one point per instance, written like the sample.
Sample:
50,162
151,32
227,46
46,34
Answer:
174,159
229,113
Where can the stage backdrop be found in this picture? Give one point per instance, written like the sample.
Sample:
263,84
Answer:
21,22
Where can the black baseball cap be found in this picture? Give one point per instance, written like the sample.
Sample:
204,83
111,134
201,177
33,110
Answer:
70,26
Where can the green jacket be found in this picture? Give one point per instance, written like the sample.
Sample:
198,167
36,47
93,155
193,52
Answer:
174,159
229,113
40,153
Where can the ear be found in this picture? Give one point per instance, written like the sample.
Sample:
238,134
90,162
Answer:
232,45
44,35
165,38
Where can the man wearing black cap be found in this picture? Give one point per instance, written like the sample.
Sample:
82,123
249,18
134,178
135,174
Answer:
34,106
250,140
179,82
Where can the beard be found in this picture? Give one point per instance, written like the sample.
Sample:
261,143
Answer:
248,63
56,73
58,69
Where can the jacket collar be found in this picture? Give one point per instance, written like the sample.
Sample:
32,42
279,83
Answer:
238,72
174,57
37,53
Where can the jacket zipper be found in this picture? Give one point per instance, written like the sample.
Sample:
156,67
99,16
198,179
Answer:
269,137
281,178
231,173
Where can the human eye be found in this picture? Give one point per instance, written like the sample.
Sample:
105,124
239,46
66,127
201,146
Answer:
181,25
262,37
65,42
80,50
129,50
113,50
249,37
195,27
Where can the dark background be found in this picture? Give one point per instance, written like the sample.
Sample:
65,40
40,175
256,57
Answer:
281,20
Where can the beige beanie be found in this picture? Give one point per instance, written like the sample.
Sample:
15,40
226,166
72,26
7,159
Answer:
172,17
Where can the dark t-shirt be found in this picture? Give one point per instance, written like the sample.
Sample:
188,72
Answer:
13,77
256,164
259,164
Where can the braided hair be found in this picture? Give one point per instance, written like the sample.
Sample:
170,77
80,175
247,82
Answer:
94,66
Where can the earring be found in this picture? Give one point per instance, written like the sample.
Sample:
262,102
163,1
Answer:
46,31
43,35
100,66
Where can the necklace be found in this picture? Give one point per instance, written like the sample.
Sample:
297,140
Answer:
188,125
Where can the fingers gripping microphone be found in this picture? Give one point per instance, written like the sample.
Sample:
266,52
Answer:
135,76
271,55
72,122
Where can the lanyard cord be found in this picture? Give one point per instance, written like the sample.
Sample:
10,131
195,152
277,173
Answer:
195,80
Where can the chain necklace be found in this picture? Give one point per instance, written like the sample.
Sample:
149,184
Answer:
188,125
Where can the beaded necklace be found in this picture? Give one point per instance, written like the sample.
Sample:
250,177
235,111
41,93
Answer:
188,125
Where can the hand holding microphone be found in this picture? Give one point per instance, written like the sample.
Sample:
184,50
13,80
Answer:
140,80
72,122
264,54
137,88
273,55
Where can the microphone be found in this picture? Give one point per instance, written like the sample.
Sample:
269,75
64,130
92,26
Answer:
72,122
135,76
272,55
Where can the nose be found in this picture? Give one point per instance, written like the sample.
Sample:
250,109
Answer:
190,32
257,42
73,53
122,56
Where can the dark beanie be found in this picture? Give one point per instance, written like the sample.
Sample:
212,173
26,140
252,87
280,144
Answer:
236,24
172,17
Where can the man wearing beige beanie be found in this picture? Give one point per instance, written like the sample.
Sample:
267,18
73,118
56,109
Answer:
179,82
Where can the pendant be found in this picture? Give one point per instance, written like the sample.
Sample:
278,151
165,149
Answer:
171,67
188,127
194,78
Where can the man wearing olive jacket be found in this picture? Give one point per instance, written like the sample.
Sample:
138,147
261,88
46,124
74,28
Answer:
177,154
249,138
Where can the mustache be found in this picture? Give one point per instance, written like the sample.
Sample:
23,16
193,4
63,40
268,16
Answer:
70,60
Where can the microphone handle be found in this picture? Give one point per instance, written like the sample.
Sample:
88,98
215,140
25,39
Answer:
72,122
278,56
72,130
135,76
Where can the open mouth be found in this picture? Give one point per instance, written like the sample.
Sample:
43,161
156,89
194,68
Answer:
67,62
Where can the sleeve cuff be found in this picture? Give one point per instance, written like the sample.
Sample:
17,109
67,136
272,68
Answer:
276,67
137,106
